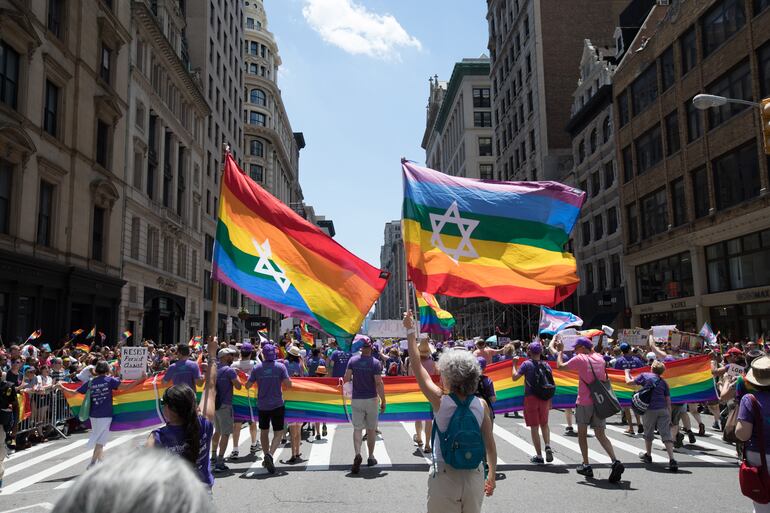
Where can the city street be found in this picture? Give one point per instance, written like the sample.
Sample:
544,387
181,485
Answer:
37,477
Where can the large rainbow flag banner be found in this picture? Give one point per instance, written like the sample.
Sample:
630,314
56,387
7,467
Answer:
482,238
432,318
268,252
321,399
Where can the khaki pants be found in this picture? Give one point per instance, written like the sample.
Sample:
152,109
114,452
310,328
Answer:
455,491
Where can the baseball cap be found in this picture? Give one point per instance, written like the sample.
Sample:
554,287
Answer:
734,351
227,351
650,356
247,347
535,348
584,342
624,346
268,351
366,342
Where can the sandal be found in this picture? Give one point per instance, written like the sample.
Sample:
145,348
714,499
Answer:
416,440
427,450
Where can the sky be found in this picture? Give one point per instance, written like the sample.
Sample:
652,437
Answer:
354,80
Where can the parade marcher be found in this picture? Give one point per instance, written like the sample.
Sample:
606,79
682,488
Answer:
627,361
483,350
538,385
244,365
456,483
420,427
339,362
589,365
365,372
272,378
183,371
227,380
189,429
7,402
296,370
658,413
486,388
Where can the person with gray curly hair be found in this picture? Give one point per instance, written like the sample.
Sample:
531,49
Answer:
155,482
462,428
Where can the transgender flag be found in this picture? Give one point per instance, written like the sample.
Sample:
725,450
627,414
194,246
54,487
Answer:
553,321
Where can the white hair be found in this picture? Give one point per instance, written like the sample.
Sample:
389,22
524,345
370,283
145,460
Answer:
460,372
145,480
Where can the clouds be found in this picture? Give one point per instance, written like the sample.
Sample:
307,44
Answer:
357,30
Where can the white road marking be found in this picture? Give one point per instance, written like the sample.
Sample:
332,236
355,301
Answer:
256,468
321,451
658,443
519,443
27,464
409,426
380,453
569,444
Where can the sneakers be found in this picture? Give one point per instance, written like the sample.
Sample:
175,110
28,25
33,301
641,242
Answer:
221,467
629,432
715,426
548,454
646,458
234,455
640,430
691,437
268,463
569,431
253,450
323,430
371,461
585,470
673,466
293,460
537,460
617,471
701,429
356,468
317,437
678,440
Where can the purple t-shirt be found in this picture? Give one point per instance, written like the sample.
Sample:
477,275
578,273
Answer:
172,438
268,376
628,362
313,364
101,395
340,361
225,377
183,372
659,393
528,370
364,369
746,414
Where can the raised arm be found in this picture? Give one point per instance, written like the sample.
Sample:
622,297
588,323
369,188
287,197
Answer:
431,391
209,396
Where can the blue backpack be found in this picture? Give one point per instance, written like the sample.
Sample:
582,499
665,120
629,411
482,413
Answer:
462,445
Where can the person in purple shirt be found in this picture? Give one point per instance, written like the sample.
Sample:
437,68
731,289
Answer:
101,386
227,379
339,361
183,371
365,372
623,362
272,379
658,414
189,429
747,430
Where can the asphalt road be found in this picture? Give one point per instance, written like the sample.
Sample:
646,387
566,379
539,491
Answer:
706,482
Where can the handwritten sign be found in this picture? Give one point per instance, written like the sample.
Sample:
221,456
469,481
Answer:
734,370
635,336
687,342
569,341
660,333
133,362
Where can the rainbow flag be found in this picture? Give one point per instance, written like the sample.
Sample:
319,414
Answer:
34,335
126,335
432,318
481,238
195,342
78,332
307,338
25,406
91,334
269,253
83,347
321,400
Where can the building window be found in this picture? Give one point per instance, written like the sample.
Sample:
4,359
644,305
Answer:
581,156
700,192
668,73
256,148
486,172
168,257
482,119
609,174
586,227
233,297
208,248
181,258
632,218
678,202
644,90
257,118
736,177
102,143
258,97
612,220
194,269
45,213
694,123
589,278
207,285
97,234
253,48
654,213
739,263
601,275
628,164
481,99
222,294
721,22
672,133
250,23
592,141
135,234
9,75
623,114
256,172
598,227
105,64
485,146
763,56
689,50
55,17
51,112
6,172
668,278
736,83
596,184
649,150
616,274
760,5
606,129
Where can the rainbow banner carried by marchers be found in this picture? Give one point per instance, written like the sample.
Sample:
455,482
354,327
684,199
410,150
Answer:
321,400
482,238
268,252
433,319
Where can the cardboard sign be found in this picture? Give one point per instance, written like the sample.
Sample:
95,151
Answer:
634,337
569,342
133,362
660,333
687,342
734,370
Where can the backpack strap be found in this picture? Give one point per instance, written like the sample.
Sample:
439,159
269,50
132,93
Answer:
758,425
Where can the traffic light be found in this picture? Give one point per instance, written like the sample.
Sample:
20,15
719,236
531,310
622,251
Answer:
764,114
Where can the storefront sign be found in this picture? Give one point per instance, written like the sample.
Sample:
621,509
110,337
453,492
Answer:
678,304
756,294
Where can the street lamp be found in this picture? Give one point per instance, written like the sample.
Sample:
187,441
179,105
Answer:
708,101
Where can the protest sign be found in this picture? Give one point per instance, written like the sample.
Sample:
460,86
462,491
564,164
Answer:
569,341
688,342
660,333
133,362
734,370
634,337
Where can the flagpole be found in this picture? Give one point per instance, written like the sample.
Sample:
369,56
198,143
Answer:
213,320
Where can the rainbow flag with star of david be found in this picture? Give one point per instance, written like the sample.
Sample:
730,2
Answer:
269,253
483,238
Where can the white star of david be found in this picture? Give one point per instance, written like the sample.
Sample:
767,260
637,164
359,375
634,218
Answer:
466,227
264,266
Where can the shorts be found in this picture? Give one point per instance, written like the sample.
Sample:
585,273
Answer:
451,490
584,416
223,420
536,411
365,413
274,417
657,419
100,431
677,410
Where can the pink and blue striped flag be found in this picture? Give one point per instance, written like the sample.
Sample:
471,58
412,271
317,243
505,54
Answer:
553,321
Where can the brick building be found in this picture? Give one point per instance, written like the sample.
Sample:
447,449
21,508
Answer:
694,202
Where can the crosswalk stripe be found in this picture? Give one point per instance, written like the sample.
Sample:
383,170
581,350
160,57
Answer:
569,444
256,468
381,453
518,442
321,451
409,427
623,446
50,471
244,430
26,464
26,452
724,450
66,484
659,443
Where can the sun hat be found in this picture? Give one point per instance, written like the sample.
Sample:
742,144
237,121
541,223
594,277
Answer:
294,351
759,373
227,351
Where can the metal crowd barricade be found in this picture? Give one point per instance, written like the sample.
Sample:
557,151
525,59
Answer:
48,410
